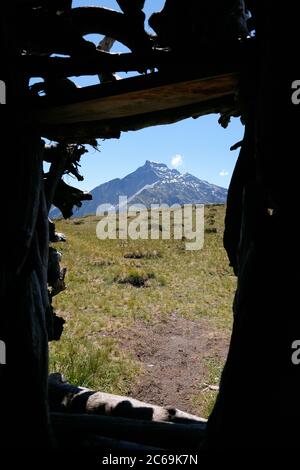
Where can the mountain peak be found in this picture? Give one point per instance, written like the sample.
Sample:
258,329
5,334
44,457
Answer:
153,183
152,164
161,170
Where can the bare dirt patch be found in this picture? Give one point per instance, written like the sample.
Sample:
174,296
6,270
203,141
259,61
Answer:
175,355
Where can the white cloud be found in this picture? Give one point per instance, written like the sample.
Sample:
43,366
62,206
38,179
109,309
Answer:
224,173
177,161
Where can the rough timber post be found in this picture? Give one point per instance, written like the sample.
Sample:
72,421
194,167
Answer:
258,403
24,259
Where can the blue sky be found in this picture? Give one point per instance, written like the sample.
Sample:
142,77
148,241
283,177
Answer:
200,147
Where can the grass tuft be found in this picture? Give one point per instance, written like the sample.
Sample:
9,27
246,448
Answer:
143,255
135,278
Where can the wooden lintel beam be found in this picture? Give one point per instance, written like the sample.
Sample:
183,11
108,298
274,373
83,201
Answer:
111,129
146,96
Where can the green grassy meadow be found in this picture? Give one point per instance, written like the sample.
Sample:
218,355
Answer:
114,285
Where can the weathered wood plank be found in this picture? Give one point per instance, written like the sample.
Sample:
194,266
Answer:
140,96
111,129
66,397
